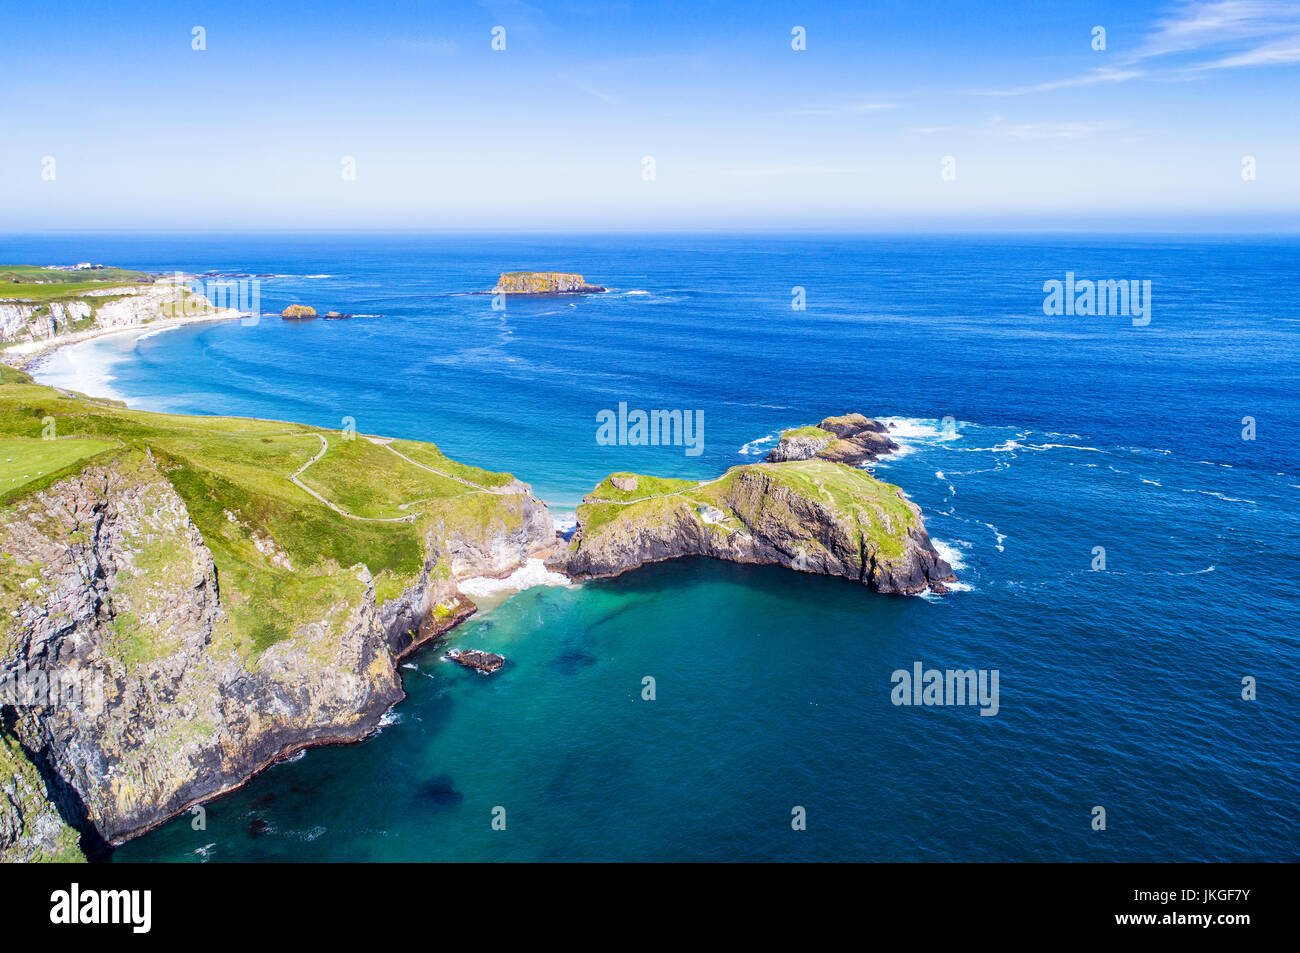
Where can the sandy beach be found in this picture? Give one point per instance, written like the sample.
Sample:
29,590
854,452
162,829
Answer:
65,360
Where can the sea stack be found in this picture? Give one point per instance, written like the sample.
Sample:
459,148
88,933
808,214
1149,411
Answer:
298,312
544,283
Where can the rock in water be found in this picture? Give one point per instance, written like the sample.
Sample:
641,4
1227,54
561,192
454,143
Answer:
811,515
851,438
483,662
543,283
298,312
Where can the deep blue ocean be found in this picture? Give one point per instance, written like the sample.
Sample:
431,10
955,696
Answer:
1119,687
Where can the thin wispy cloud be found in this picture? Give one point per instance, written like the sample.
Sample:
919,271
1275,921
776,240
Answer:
436,46
843,108
784,171
1093,78
997,126
1197,25
1201,36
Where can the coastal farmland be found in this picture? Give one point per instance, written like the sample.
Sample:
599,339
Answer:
35,283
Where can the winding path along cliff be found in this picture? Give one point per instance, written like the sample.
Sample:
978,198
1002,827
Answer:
209,595
185,600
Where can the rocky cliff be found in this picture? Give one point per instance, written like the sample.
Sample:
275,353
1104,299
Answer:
90,309
31,830
194,637
543,283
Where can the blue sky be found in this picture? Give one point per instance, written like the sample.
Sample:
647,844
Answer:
745,132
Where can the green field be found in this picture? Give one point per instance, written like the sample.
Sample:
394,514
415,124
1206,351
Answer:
34,283
280,551
24,459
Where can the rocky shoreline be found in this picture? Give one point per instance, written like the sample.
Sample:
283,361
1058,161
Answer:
32,332
129,592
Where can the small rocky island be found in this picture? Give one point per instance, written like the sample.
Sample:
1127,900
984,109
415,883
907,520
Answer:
806,508
851,438
544,283
305,312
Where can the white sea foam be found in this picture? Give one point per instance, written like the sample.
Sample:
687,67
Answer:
1062,446
755,447
1219,496
1006,446
84,367
950,553
999,536
532,573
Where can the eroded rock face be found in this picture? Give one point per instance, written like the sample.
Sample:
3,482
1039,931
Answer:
811,516
31,829
187,709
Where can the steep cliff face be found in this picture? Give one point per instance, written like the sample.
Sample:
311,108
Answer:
544,283
96,309
19,321
31,830
811,516
109,588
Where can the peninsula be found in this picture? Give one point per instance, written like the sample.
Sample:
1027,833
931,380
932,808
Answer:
219,593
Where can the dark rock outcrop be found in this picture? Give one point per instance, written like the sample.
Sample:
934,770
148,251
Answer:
485,663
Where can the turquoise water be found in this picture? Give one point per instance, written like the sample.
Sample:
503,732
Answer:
1119,688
